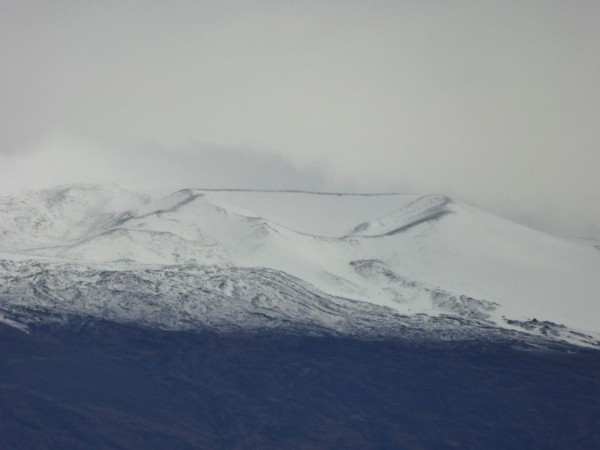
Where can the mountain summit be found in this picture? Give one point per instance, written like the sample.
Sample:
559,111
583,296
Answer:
364,264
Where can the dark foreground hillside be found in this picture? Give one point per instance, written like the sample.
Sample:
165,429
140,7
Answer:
99,385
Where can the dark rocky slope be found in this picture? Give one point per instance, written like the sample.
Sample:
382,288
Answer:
99,385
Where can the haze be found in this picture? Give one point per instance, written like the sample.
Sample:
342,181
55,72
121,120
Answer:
494,103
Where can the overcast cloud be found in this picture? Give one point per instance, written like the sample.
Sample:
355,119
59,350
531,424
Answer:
495,103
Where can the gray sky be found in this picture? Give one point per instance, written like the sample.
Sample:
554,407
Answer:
496,103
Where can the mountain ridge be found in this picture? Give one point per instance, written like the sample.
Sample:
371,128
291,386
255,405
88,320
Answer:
414,255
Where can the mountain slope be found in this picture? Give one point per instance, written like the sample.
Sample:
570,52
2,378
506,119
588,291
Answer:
405,255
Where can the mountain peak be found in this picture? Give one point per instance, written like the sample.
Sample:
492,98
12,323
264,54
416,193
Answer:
405,253
424,209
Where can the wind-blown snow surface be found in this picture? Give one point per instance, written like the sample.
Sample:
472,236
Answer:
367,264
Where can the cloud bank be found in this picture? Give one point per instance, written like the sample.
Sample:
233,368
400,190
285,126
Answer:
495,103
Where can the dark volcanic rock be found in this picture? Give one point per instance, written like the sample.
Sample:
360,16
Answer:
93,384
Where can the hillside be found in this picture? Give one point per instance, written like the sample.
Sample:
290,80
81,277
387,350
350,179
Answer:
403,256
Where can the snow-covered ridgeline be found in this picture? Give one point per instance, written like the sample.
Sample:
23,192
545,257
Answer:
407,254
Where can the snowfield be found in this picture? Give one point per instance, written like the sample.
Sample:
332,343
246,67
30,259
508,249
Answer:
344,263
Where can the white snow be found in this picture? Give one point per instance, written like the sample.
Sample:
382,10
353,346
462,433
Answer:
13,324
320,214
414,254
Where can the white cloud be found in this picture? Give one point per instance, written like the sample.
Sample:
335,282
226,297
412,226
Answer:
495,103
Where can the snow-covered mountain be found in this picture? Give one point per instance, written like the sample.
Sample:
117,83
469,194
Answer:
371,265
